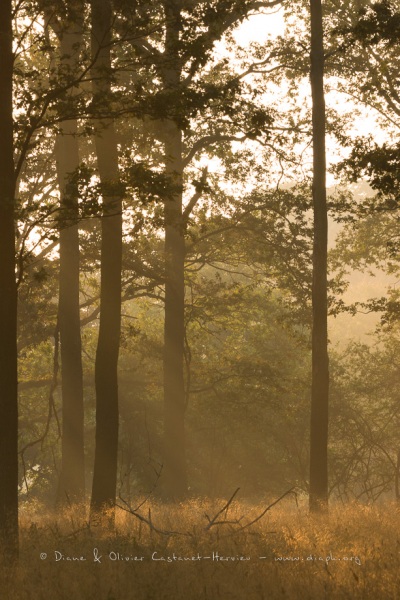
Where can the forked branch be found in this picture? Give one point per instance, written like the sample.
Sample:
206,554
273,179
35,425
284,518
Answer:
212,522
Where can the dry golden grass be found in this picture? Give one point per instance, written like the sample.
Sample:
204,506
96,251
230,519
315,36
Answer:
365,539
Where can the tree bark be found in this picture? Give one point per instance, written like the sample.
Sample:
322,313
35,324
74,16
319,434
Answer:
320,363
106,368
397,477
174,325
8,299
174,466
72,479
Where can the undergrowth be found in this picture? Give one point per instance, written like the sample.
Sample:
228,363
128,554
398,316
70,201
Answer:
179,552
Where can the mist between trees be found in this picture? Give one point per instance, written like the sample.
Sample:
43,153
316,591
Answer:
165,282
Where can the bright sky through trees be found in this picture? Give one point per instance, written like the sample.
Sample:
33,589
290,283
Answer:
361,121
258,27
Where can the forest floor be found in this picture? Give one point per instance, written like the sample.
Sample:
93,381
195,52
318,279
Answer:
184,554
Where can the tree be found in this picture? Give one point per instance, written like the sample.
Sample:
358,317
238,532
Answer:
369,67
246,273
320,363
106,367
364,460
369,35
8,295
174,334
72,478
371,40
195,111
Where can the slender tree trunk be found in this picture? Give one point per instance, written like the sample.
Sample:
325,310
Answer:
320,364
106,452
174,326
174,474
8,299
72,480
397,477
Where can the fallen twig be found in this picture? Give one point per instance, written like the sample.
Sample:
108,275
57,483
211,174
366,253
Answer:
212,522
264,512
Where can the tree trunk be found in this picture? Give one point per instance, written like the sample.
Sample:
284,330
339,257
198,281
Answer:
320,364
106,376
397,477
174,326
8,299
72,479
174,473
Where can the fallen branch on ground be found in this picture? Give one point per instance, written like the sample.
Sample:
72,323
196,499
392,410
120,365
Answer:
213,522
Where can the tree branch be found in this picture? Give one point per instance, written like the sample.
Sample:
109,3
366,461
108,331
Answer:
209,140
196,196
224,509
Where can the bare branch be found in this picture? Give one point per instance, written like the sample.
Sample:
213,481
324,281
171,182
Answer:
224,509
264,512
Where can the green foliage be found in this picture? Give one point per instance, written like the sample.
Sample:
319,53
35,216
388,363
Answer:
364,420
377,24
380,166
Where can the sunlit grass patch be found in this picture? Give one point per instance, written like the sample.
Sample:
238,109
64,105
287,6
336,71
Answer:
353,553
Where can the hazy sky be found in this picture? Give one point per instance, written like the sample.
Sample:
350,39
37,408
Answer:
258,27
